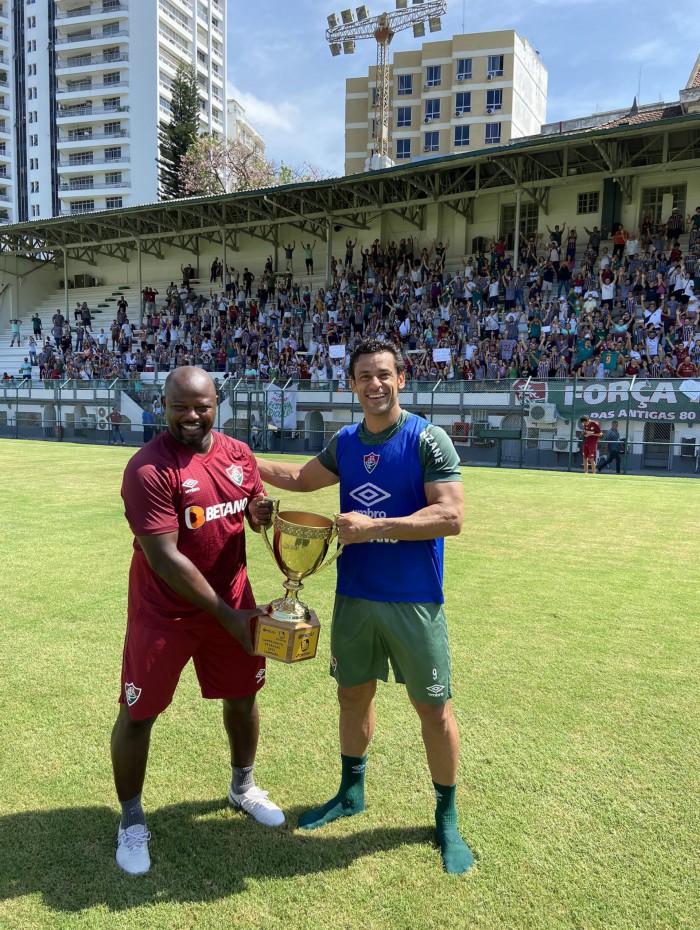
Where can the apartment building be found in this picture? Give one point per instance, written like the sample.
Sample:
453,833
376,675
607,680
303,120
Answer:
240,128
456,95
84,85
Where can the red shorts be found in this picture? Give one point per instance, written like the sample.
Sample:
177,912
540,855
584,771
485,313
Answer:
590,449
156,652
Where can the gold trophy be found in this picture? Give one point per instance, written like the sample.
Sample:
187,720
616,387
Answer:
299,545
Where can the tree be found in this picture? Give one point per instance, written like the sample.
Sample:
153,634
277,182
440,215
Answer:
177,136
221,166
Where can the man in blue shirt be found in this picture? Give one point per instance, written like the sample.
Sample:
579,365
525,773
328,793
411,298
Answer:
400,495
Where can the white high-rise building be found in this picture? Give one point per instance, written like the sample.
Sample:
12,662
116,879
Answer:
84,85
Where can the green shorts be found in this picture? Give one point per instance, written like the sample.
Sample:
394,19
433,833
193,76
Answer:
367,635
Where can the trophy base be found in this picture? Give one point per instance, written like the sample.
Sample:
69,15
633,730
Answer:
287,640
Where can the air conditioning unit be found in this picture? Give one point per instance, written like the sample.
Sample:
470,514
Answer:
426,87
542,413
489,76
545,440
428,119
461,79
561,445
489,111
427,148
458,112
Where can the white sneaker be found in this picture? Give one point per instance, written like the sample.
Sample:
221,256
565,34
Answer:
132,849
255,802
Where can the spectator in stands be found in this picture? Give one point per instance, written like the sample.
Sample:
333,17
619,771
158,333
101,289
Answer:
289,255
674,227
16,330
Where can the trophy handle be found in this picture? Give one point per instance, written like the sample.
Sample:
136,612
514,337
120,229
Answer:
335,555
275,511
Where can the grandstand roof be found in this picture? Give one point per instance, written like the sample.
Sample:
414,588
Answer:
625,147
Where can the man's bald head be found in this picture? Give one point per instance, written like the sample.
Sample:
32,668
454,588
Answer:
190,407
187,379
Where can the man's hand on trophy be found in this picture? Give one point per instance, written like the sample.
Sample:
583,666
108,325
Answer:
261,509
239,624
355,528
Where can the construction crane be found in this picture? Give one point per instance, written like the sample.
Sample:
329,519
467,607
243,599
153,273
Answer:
344,31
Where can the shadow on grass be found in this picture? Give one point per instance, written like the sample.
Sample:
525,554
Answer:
200,851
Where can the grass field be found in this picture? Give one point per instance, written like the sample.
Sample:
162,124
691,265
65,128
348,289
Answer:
573,611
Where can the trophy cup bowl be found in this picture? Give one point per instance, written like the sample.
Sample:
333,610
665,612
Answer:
300,542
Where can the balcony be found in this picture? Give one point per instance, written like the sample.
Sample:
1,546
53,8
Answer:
107,8
89,111
89,88
94,38
67,166
90,61
86,137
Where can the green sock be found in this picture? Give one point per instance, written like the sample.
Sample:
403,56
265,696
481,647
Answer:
456,855
349,800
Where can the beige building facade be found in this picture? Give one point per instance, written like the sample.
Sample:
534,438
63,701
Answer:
454,96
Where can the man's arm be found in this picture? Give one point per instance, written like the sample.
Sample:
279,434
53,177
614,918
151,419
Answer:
442,516
311,476
185,579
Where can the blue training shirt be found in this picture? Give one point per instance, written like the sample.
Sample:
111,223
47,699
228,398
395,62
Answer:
387,480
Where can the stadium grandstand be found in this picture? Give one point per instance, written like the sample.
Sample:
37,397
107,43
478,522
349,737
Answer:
570,255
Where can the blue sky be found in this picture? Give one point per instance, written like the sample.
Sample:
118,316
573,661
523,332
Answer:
282,72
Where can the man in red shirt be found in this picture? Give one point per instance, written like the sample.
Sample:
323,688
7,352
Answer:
185,496
591,434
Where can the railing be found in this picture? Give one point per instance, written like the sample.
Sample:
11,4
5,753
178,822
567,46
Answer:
93,187
90,87
67,112
521,423
80,166
92,37
93,11
120,134
88,60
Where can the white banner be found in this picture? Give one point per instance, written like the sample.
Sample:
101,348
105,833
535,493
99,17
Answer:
336,351
282,404
441,355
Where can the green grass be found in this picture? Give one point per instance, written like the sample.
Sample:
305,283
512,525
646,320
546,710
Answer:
573,611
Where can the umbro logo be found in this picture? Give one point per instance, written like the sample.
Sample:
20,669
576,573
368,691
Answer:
191,485
369,494
435,690
260,675
359,769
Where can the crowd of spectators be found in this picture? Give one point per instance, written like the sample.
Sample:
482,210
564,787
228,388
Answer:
614,312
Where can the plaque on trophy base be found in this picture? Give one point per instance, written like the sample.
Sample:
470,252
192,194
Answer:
287,641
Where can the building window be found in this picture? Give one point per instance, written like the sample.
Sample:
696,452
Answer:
494,100
35,209
403,116
461,136
405,85
82,206
431,141
81,158
81,183
463,102
113,154
433,76
494,67
34,187
464,69
111,54
34,140
432,109
112,103
403,148
110,29
112,77
113,177
113,129
31,22
31,71
374,96
114,203
588,203
493,133
31,93
31,45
